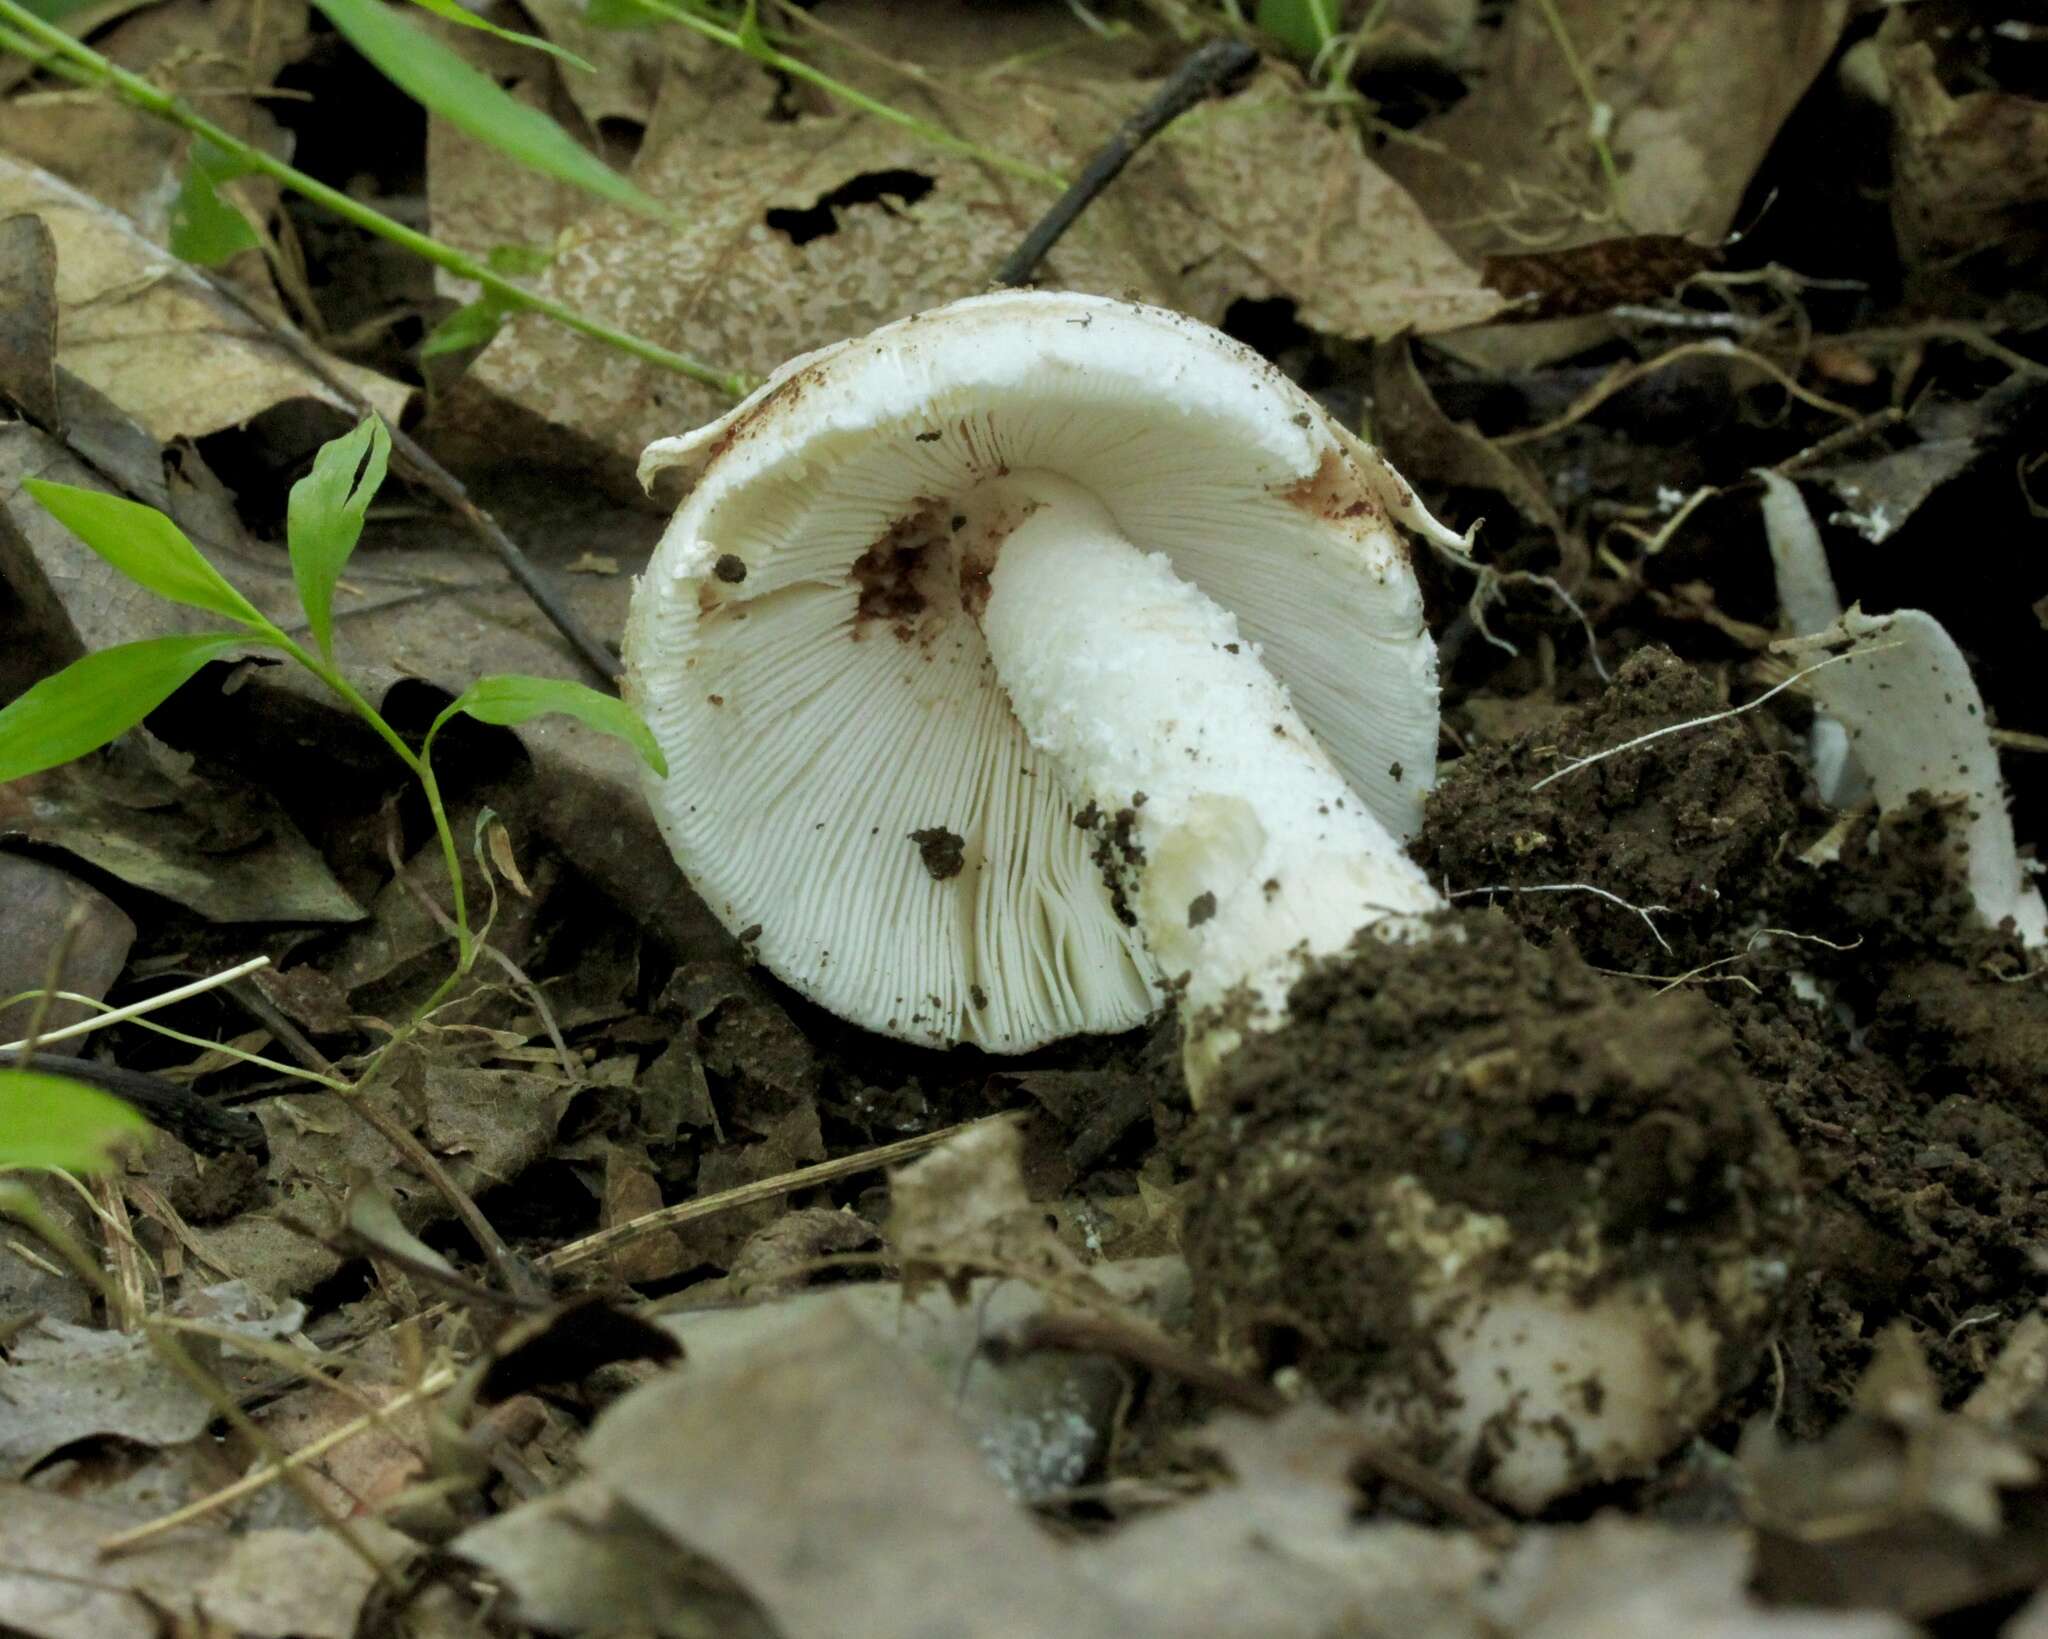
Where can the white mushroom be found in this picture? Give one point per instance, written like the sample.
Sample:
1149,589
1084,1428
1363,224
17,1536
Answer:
849,782
1040,650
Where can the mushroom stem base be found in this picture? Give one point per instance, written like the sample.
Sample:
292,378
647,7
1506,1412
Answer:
1224,828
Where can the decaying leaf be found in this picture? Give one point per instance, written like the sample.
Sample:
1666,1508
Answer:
137,325
55,1583
581,1561
68,1383
1902,1507
230,855
964,1207
1969,168
1685,99
769,1462
1880,493
1040,1421
802,232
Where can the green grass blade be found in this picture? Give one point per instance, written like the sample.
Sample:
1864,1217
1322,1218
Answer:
454,13
509,701
467,327
435,77
99,698
53,1121
146,547
324,518
205,228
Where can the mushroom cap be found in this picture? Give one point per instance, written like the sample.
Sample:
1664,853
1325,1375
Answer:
848,788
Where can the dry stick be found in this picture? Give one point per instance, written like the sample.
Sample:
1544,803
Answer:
1076,1333
766,1189
1208,69
149,1004
439,482
435,1382
504,1262
1628,375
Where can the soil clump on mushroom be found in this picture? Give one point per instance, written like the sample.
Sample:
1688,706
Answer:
1482,1075
1880,1017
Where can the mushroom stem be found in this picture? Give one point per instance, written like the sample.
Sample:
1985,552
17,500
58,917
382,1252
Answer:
1233,839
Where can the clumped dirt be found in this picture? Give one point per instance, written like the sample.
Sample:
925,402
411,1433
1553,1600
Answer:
1895,1038
1505,1078
1689,824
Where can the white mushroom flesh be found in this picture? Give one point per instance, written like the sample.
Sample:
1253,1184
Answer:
1240,847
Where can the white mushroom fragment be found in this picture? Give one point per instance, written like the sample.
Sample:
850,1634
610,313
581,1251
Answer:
1038,652
848,781
1807,596
1916,723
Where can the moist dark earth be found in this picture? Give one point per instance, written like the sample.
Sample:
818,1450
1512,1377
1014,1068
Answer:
1898,1045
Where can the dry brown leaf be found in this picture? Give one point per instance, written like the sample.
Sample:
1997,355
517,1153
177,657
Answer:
140,327
1693,92
1969,172
823,1471
1621,1579
801,232
273,1584
1431,448
580,1561
1280,1553
964,1205
67,1383
220,53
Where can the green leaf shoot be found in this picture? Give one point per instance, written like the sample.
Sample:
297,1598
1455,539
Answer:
207,229
1302,26
324,518
440,81
94,700
146,547
510,701
53,1121
467,327
454,13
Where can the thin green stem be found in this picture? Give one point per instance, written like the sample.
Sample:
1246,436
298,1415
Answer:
420,768
797,69
148,98
1597,112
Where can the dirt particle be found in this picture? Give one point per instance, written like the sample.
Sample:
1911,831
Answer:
730,568
1332,491
977,996
944,852
715,699
1201,908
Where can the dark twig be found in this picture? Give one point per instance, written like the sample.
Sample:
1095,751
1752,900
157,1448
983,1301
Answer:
197,1122
439,482
1213,66
1074,1332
